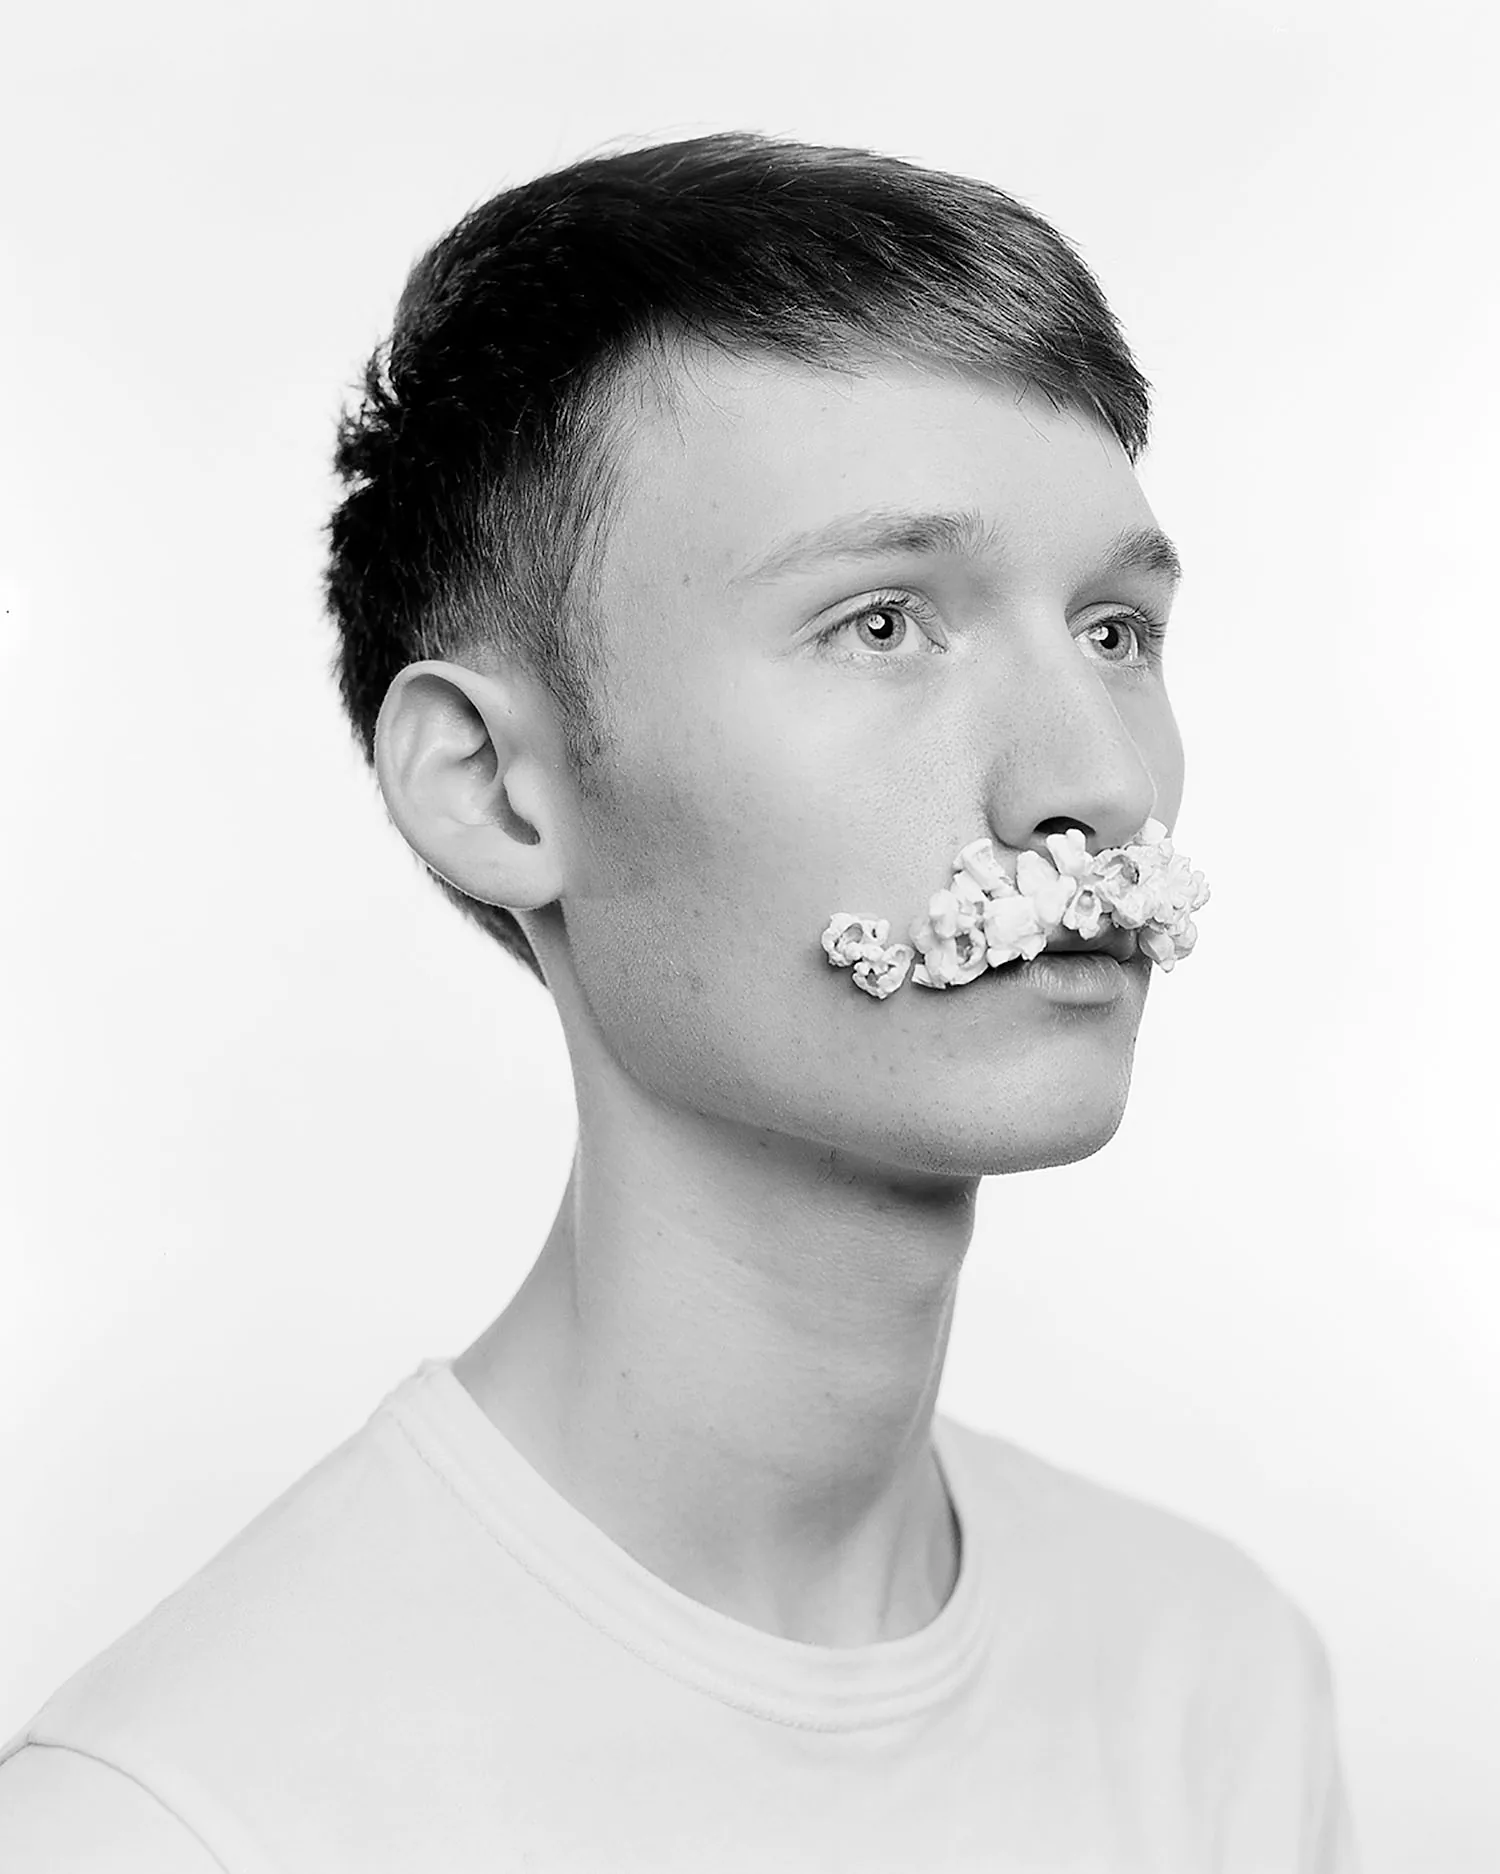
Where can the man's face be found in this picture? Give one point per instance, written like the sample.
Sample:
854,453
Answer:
762,780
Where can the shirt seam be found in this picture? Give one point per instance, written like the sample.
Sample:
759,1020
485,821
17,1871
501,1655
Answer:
75,1750
829,1727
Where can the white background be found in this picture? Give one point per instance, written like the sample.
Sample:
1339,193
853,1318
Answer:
277,1124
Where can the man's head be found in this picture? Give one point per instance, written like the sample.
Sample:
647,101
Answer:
646,429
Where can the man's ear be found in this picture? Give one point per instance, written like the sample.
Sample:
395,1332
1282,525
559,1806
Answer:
461,759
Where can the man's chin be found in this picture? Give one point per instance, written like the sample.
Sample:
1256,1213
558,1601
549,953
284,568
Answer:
1036,1147
982,1142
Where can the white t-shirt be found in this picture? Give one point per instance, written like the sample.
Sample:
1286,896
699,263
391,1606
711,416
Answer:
421,1659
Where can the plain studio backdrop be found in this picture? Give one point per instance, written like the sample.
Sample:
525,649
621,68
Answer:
278,1124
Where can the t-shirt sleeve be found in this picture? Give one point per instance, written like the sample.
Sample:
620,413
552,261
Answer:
62,1812
1284,1802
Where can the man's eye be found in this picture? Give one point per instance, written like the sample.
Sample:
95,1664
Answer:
1148,634
886,618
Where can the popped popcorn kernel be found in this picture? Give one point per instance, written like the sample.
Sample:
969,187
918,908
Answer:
1087,914
949,961
1048,889
1070,853
881,976
1012,929
979,861
848,937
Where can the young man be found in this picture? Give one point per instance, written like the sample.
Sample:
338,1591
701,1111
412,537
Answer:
734,531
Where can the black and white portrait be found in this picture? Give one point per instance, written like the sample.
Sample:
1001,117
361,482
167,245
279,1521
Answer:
748,1071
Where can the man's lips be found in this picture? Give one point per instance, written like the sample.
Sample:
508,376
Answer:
1114,942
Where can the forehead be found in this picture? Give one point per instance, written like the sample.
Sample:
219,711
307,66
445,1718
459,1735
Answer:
722,460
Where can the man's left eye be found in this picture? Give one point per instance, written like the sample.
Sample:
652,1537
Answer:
1146,632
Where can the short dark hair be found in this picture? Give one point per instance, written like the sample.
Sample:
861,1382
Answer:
478,465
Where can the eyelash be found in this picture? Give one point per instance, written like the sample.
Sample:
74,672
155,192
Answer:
1150,631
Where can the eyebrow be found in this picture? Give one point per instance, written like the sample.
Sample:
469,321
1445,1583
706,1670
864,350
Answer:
889,531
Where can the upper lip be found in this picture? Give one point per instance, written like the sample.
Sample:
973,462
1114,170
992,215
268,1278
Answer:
1120,944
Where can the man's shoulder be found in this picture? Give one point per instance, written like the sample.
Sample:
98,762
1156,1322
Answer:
1186,1642
1126,1565
270,1593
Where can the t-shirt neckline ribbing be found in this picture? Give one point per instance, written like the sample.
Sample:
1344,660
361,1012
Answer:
790,1682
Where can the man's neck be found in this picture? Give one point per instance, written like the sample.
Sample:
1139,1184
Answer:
745,1409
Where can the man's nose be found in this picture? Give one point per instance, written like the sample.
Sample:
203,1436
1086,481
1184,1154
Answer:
1065,755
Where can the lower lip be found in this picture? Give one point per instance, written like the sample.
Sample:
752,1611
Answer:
1085,976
